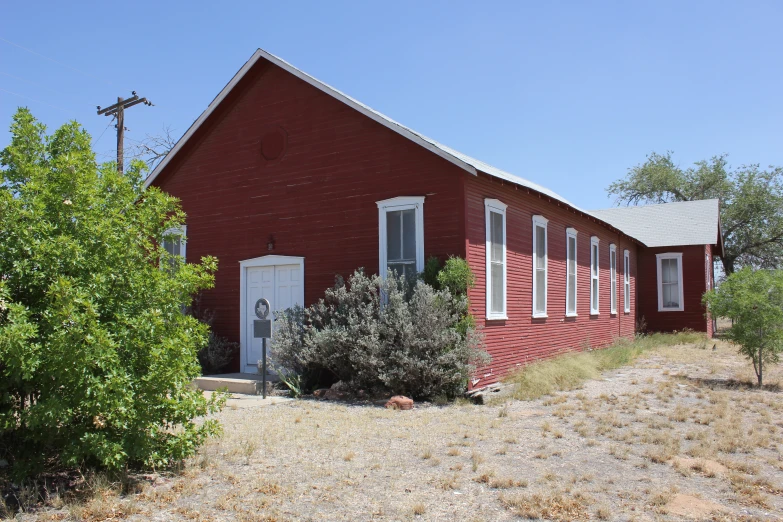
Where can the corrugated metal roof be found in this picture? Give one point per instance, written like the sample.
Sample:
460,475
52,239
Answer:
668,224
464,161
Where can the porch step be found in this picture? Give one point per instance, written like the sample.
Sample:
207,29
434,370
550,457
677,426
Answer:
245,383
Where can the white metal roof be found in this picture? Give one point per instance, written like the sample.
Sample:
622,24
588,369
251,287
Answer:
463,161
668,224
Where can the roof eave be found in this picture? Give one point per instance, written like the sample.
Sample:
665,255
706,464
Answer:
579,211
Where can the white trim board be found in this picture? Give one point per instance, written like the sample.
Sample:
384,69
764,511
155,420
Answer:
271,260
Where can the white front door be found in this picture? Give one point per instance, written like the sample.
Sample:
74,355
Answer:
281,285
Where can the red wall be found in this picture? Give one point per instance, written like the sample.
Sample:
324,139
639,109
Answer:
318,201
521,338
696,273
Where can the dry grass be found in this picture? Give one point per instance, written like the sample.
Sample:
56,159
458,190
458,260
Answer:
569,371
557,505
612,449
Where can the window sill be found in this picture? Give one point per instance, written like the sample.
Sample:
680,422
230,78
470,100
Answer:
497,318
571,315
595,313
540,316
671,310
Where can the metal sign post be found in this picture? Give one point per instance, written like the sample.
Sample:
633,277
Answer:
262,328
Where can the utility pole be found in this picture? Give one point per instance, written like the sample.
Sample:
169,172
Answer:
118,110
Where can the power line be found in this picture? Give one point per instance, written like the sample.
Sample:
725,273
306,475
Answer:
95,144
54,61
32,83
67,111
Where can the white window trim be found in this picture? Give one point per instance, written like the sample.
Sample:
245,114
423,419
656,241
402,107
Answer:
572,233
182,232
394,204
613,279
493,205
658,259
540,221
627,281
595,257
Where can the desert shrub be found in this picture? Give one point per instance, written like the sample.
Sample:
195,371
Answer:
217,354
378,335
753,300
96,353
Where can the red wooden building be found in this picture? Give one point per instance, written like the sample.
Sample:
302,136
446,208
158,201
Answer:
289,182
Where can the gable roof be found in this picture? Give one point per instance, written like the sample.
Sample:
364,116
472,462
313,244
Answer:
612,218
463,161
668,224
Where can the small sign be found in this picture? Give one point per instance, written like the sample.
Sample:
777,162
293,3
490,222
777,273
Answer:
262,328
262,308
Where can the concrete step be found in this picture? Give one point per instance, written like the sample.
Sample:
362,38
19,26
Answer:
245,383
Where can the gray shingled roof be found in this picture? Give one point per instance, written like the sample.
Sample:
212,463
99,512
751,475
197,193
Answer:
668,224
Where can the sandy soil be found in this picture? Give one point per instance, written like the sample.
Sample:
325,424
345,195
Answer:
676,436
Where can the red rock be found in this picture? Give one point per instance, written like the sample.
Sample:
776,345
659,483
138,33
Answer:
400,402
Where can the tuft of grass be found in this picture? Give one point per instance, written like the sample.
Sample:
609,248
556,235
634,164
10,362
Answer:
570,371
557,506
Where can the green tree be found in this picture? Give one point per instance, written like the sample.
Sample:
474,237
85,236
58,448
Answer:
751,202
96,354
753,299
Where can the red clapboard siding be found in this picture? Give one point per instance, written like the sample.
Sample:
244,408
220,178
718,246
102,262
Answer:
318,201
521,338
697,276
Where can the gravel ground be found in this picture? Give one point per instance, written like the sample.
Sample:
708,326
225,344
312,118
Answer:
676,436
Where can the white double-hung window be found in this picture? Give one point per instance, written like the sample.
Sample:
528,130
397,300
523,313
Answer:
626,282
613,278
495,280
670,297
594,273
175,243
401,236
571,272
539,266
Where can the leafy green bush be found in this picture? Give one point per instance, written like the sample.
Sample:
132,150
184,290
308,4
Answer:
429,275
456,276
753,299
96,354
380,336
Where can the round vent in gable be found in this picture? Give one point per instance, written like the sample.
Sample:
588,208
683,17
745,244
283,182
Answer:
273,144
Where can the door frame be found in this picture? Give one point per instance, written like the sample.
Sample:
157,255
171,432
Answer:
271,260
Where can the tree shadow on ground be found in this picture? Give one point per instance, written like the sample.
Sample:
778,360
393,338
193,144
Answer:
729,384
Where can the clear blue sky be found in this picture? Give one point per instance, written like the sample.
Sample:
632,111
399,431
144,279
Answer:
569,95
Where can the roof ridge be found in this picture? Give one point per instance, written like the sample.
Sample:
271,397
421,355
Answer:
670,203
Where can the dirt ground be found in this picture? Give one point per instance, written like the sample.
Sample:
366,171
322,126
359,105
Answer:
675,436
